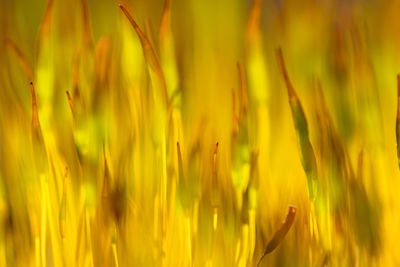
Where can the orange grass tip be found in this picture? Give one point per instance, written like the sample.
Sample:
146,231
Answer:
70,102
131,20
216,148
86,24
215,157
165,19
281,233
142,38
291,92
35,117
68,96
149,54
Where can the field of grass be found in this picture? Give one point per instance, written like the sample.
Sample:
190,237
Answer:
199,133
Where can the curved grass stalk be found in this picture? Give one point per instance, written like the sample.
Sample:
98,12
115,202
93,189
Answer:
151,60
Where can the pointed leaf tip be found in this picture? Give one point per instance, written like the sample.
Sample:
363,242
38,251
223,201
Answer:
281,233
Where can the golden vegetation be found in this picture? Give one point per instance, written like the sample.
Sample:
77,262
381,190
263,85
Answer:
160,133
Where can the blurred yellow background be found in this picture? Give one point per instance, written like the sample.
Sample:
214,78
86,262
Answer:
160,133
